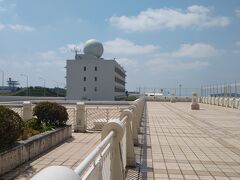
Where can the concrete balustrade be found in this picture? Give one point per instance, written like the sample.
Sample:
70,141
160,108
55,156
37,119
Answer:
230,102
27,110
114,134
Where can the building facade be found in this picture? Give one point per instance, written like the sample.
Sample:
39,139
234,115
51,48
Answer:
90,77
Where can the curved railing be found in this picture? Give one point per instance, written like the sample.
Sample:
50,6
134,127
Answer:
111,157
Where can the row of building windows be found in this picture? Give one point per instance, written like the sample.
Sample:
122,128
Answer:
120,81
120,72
85,89
85,68
118,89
85,78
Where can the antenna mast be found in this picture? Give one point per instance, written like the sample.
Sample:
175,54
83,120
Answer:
76,50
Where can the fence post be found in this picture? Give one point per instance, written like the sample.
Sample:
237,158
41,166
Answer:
135,124
117,169
194,105
80,118
131,161
27,110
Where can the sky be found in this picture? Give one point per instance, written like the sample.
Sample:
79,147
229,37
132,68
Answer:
159,43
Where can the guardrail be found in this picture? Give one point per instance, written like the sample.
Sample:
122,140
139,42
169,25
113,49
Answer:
230,102
82,118
111,157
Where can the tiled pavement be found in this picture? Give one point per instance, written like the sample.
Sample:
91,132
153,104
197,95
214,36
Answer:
175,143
188,144
69,154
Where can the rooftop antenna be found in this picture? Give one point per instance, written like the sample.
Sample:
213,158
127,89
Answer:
76,50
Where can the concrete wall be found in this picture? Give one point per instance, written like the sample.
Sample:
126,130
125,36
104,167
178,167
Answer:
32,147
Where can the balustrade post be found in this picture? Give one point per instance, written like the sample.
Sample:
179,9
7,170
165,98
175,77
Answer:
135,127
80,124
117,169
131,161
27,110
194,105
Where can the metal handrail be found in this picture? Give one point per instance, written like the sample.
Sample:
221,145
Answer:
93,155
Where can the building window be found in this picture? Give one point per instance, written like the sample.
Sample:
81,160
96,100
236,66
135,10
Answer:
85,68
84,89
95,68
95,89
95,78
84,79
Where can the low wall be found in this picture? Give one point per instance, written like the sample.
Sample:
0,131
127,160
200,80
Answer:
28,98
33,146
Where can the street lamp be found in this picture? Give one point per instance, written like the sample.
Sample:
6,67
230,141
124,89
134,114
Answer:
27,82
57,87
44,87
180,89
2,77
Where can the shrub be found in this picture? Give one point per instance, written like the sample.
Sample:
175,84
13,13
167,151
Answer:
131,98
50,114
11,126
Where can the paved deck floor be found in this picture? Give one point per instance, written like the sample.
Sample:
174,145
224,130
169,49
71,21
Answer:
69,154
188,144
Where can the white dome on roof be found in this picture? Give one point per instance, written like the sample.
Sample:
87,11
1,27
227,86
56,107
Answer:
93,47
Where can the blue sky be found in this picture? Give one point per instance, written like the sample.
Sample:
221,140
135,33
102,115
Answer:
160,43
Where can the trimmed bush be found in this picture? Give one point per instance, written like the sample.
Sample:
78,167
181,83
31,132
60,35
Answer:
11,126
50,114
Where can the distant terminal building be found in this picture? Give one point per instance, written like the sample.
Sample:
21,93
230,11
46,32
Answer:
90,77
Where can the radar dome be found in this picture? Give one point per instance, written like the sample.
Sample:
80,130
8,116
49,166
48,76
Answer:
93,47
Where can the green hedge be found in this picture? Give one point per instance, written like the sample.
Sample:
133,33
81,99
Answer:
50,114
11,126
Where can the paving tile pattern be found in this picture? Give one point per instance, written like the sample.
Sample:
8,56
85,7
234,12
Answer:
70,154
188,144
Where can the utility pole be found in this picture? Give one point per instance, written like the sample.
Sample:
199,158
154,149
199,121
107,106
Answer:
2,77
44,86
57,87
180,89
25,75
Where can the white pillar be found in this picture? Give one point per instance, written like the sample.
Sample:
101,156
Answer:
131,160
27,110
194,105
80,124
117,169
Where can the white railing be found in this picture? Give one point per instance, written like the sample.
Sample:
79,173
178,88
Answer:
231,102
111,157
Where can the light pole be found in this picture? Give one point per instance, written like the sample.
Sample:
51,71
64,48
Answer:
27,82
44,86
180,89
57,87
2,77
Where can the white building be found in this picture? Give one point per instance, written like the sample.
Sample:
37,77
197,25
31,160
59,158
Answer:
90,77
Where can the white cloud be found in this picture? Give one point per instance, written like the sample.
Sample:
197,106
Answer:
127,62
174,65
238,43
17,27
237,12
21,28
2,26
198,50
155,19
123,46
71,47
